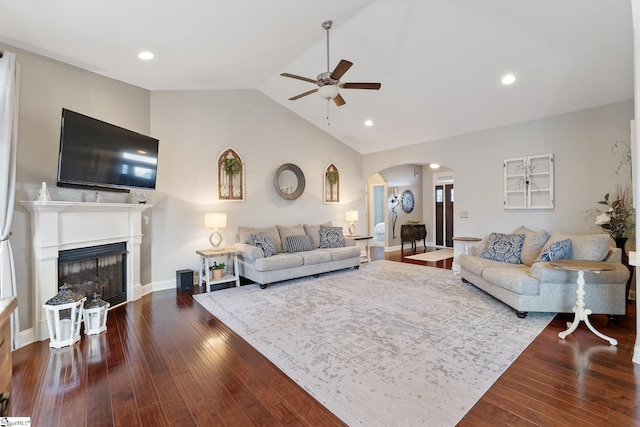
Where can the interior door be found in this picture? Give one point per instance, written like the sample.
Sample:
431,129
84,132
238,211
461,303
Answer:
444,215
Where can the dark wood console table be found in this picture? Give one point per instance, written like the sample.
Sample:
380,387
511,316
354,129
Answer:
411,233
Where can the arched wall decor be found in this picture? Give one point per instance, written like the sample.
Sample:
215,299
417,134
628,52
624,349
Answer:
230,176
331,184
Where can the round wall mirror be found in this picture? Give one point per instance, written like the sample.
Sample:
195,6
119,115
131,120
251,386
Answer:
289,181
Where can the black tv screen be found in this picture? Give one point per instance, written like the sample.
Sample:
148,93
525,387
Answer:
94,153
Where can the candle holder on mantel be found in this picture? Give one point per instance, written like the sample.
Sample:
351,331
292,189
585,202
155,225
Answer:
64,315
95,315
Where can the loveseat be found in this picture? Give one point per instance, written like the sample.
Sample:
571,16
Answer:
514,268
277,253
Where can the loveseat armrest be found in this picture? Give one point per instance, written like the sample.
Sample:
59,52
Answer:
248,252
614,255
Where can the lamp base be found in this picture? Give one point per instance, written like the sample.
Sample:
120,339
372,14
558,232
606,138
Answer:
215,239
352,229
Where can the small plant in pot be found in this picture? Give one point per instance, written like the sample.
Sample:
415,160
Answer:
217,270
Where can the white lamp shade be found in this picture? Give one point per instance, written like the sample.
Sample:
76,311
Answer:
328,91
352,216
215,220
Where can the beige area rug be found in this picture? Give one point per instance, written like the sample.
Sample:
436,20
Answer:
390,344
438,255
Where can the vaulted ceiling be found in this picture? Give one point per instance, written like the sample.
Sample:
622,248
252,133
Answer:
440,62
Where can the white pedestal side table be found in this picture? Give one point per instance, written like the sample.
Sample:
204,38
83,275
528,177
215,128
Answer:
205,257
581,312
455,266
366,253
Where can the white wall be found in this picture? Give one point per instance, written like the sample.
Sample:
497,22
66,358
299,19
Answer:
194,127
46,86
584,168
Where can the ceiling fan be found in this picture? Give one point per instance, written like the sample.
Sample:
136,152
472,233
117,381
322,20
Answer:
329,82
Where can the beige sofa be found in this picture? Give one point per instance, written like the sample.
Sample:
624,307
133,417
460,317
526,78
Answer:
536,286
289,262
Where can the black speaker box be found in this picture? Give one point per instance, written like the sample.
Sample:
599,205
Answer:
184,280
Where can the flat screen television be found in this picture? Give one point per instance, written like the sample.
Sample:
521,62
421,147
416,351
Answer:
96,154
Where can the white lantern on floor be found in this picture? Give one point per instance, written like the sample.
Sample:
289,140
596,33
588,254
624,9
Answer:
64,314
95,315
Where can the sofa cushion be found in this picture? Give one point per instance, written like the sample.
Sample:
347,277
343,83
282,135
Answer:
504,248
533,242
315,257
586,247
331,237
278,262
313,231
296,230
263,242
299,243
515,280
346,252
556,250
476,264
244,235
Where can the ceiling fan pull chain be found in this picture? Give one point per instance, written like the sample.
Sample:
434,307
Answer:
328,119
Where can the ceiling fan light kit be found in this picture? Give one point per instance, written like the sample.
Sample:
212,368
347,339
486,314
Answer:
328,82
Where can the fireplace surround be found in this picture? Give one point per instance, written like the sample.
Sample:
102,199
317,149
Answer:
59,226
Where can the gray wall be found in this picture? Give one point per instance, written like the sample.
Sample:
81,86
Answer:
584,168
46,87
194,127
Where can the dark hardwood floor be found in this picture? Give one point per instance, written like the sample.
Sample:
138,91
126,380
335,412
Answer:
164,360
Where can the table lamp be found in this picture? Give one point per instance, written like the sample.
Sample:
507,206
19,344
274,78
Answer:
352,216
215,221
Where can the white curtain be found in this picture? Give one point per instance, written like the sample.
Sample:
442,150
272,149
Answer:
8,142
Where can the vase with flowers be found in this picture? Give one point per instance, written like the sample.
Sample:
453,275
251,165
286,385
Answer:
618,219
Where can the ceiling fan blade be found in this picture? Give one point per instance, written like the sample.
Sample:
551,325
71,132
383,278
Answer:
293,76
340,69
372,86
339,100
303,94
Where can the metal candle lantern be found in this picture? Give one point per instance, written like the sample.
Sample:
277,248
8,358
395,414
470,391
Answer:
64,314
95,315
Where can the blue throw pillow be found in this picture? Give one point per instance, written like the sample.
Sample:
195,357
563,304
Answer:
262,241
557,250
331,237
504,248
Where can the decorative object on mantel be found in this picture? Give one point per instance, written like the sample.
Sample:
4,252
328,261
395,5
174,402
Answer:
331,184
230,176
64,317
528,182
352,217
215,221
95,315
43,193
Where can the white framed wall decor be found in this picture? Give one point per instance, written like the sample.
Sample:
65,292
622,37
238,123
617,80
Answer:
528,182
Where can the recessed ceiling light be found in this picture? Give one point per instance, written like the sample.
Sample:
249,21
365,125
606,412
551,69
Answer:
508,79
434,165
145,56
368,123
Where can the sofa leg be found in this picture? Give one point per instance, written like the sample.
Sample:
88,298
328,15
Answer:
263,286
614,317
521,314
355,267
464,280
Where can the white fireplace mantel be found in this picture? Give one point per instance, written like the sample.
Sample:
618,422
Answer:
57,226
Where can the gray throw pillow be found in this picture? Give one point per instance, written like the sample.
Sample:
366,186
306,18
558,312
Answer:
262,241
298,243
504,248
331,237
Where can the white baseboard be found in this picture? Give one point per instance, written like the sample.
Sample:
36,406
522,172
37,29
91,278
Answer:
158,286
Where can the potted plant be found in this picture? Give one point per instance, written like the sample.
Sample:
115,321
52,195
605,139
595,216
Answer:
217,270
232,166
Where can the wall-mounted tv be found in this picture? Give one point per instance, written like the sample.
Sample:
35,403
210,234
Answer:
95,154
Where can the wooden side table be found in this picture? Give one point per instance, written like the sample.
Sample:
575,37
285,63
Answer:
358,237
205,257
455,266
581,312
412,233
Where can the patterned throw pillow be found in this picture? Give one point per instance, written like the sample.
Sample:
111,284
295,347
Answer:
299,243
331,237
557,250
262,241
504,248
